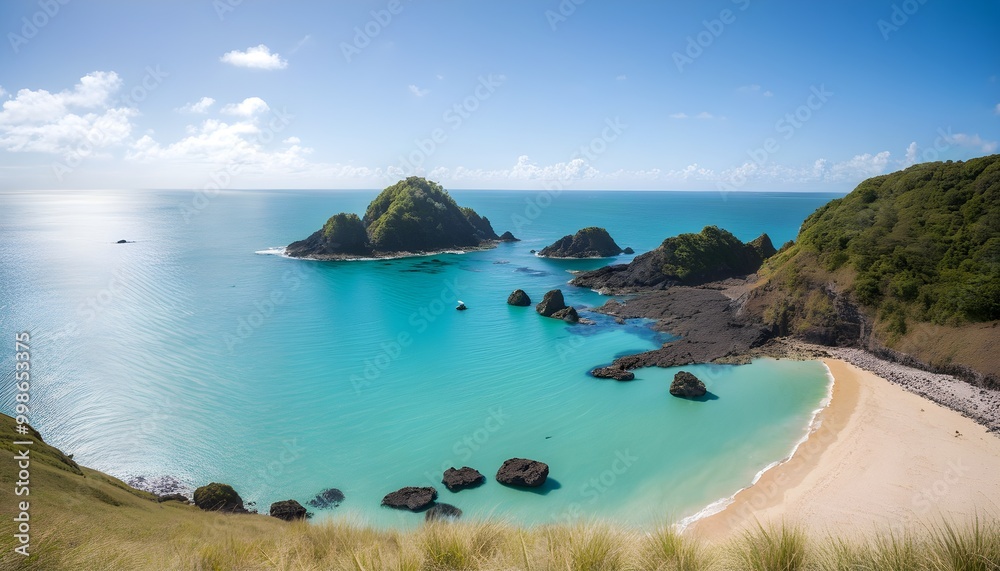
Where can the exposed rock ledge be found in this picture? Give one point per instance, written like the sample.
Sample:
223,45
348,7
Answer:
705,317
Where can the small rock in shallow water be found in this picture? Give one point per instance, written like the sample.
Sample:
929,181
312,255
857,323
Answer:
551,303
439,512
326,499
686,385
518,298
462,478
288,510
410,498
616,373
523,472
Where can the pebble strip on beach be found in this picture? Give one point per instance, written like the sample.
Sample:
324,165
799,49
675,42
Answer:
979,404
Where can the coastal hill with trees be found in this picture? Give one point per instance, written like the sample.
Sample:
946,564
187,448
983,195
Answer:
908,261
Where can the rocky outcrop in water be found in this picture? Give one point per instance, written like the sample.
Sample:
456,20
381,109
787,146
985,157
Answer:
219,498
462,478
567,314
706,319
413,215
551,303
288,510
686,385
508,237
591,242
410,498
523,472
329,498
519,298
687,259
616,373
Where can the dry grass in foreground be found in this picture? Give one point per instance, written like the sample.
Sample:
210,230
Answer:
496,546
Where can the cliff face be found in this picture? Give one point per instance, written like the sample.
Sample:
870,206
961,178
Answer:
591,242
687,259
906,263
413,215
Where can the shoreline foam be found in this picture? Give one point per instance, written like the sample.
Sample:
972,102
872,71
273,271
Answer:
721,504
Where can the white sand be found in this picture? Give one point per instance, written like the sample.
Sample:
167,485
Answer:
882,458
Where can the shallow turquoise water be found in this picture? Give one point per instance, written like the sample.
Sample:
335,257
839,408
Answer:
186,353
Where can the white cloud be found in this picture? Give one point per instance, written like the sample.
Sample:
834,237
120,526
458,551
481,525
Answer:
417,91
524,170
705,115
678,116
858,168
621,77
80,121
216,142
577,172
292,141
247,108
692,171
439,76
911,154
200,106
972,141
755,175
259,57
2,93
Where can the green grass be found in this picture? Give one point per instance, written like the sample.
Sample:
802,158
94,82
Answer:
85,520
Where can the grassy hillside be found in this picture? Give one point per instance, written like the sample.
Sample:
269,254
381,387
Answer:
917,252
82,519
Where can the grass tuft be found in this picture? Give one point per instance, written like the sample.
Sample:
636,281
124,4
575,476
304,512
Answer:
596,548
770,549
667,550
974,547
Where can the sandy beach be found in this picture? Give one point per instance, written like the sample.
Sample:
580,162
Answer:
882,458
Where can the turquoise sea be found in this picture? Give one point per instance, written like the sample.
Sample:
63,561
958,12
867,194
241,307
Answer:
191,352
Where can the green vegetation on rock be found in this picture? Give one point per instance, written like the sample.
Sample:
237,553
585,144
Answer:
413,215
712,254
686,259
346,231
418,215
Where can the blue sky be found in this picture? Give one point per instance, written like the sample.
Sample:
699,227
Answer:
575,94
